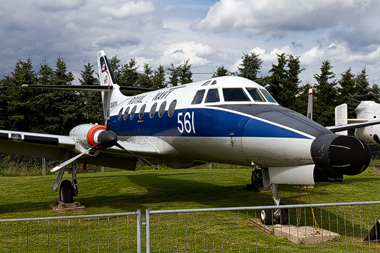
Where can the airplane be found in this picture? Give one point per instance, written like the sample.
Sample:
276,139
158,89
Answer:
366,111
229,120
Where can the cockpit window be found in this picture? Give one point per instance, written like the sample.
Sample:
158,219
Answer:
198,97
207,82
234,94
212,96
268,96
256,95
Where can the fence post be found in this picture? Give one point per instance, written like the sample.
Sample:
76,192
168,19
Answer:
147,220
43,161
138,231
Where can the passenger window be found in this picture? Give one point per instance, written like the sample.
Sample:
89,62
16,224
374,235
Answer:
133,112
161,111
172,107
212,96
120,113
126,113
198,97
153,110
268,96
142,110
256,95
234,94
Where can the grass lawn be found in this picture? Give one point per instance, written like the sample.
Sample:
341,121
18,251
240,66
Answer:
222,186
125,191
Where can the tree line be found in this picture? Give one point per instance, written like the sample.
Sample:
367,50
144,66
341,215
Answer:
57,112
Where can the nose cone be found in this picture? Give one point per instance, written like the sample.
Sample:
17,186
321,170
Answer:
107,139
343,154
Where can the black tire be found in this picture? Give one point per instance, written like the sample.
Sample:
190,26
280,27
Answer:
66,192
266,216
284,217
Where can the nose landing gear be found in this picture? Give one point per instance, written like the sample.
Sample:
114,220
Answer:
275,216
68,189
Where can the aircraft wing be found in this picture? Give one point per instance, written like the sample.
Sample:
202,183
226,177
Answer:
339,128
60,147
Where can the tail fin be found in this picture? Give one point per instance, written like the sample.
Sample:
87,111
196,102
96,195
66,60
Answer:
112,96
341,117
105,72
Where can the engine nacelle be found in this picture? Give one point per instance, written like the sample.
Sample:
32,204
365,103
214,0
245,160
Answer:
86,135
346,155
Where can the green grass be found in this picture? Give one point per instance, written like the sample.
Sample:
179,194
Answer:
223,186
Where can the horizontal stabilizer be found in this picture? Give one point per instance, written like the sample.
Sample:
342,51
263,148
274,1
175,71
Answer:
335,129
95,88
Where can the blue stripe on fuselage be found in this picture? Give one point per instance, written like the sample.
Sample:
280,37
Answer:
199,122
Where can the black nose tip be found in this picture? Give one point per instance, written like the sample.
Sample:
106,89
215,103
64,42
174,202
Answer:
107,139
343,154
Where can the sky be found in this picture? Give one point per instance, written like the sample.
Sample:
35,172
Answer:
209,33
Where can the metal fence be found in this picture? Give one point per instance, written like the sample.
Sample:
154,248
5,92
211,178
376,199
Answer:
312,228
119,232
342,227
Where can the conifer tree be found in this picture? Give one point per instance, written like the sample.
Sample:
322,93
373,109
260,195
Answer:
251,66
128,73
181,74
159,78
221,71
92,103
325,94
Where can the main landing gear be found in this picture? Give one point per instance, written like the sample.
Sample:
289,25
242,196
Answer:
260,179
68,189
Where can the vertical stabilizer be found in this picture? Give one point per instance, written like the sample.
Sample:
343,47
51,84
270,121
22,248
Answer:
341,117
105,73
113,96
310,104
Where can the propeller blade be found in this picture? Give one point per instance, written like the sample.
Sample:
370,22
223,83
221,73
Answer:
138,157
64,164
107,123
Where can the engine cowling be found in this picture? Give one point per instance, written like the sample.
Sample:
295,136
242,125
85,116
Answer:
347,155
87,135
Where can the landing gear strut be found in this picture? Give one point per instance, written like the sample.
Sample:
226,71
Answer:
272,216
67,190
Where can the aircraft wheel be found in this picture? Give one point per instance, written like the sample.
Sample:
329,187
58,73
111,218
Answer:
284,217
266,216
66,192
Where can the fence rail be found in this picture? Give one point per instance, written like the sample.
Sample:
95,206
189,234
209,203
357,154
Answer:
333,227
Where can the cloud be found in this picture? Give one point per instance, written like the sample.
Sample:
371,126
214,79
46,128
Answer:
295,45
276,19
177,53
128,9
58,5
117,40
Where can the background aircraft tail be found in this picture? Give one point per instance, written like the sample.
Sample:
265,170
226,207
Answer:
310,104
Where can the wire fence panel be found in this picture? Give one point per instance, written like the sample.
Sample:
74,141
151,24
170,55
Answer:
341,227
92,233
311,228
